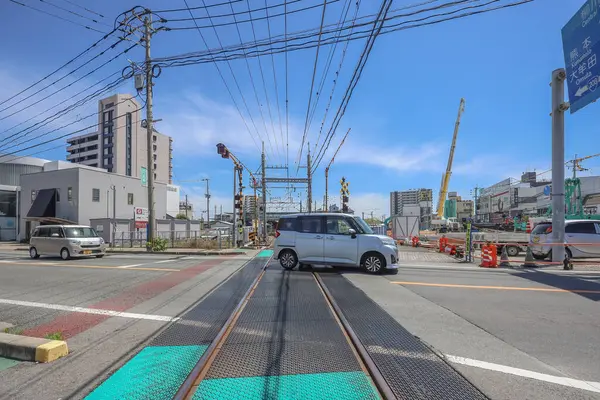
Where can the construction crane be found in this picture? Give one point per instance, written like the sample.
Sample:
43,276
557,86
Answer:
446,176
576,164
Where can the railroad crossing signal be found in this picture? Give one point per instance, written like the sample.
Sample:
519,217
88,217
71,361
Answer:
344,193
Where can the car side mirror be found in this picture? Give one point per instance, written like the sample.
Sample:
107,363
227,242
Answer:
352,233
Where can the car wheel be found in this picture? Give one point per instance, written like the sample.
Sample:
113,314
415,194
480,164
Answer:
64,254
100,256
373,263
33,253
288,259
512,251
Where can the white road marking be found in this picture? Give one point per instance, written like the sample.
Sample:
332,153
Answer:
110,313
559,380
130,266
163,261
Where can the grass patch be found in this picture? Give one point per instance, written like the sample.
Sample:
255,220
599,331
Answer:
54,336
14,331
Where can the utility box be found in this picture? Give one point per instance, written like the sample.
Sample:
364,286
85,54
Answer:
404,227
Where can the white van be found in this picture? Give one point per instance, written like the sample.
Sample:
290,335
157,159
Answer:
582,239
66,241
332,239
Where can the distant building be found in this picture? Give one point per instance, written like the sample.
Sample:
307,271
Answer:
423,198
120,145
186,209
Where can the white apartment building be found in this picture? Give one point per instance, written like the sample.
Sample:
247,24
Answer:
120,144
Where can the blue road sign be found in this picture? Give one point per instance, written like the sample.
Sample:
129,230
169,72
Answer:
581,46
547,190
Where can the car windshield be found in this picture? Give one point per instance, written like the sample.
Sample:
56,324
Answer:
80,232
365,228
542,229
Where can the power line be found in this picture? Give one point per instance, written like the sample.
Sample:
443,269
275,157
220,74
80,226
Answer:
73,12
205,7
256,19
229,90
33,146
312,85
59,68
61,78
56,16
234,13
3,146
84,8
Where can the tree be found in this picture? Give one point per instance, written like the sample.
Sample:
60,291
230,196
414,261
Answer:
181,216
373,221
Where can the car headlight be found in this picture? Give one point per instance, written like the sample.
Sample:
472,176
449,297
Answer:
101,241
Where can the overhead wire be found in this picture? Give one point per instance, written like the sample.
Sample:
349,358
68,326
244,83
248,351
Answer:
251,78
332,51
72,83
287,102
385,6
234,13
5,143
357,35
63,77
229,90
264,85
312,85
56,16
84,8
73,12
225,3
59,68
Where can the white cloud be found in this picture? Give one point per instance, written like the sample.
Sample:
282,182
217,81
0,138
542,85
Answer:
195,196
378,203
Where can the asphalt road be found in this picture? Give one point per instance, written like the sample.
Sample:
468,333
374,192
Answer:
105,308
515,334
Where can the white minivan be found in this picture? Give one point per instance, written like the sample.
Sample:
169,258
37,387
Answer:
332,239
582,239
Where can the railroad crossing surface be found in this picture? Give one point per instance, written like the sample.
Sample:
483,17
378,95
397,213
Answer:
240,327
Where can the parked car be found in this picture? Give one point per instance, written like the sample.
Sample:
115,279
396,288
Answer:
66,241
582,239
332,239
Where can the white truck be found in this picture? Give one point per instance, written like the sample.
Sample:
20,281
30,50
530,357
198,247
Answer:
515,242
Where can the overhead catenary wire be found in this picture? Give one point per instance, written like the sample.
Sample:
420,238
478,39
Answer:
56,16
225,3
385,6
262,76
63,77
312,85
266,8
229,90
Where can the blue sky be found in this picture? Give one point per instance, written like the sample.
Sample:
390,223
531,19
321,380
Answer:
401,114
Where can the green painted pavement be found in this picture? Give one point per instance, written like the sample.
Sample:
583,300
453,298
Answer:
6,363
265,253
156,372
332,385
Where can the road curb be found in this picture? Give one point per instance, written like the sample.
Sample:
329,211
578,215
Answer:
26,348
180,253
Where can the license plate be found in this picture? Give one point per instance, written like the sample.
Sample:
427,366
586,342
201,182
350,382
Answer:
87,252
536,239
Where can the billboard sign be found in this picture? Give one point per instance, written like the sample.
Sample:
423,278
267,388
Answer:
140,216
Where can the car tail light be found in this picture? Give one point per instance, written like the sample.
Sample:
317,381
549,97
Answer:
277,234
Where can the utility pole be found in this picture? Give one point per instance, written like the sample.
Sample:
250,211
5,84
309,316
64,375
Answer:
309,176
186,206
263,168
233,225
207,195
558,163
114,216
149,130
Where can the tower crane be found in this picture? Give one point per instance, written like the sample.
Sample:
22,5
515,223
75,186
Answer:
446,176
576,163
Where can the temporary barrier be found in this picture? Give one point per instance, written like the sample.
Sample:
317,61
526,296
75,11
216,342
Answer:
493,250
486,257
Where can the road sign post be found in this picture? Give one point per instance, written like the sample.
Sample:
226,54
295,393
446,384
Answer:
581,47
558,164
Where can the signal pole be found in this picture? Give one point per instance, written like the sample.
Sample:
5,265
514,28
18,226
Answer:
263,168
207,195
309,176
149,133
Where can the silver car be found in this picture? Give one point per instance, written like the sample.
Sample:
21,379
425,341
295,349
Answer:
582,239
66,241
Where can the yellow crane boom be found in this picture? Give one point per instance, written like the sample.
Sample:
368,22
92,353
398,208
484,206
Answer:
446,176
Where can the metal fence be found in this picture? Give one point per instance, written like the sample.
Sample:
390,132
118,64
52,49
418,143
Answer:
210,239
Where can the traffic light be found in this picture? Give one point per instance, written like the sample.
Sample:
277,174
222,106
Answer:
222,150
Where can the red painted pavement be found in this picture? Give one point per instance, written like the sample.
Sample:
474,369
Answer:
74,323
